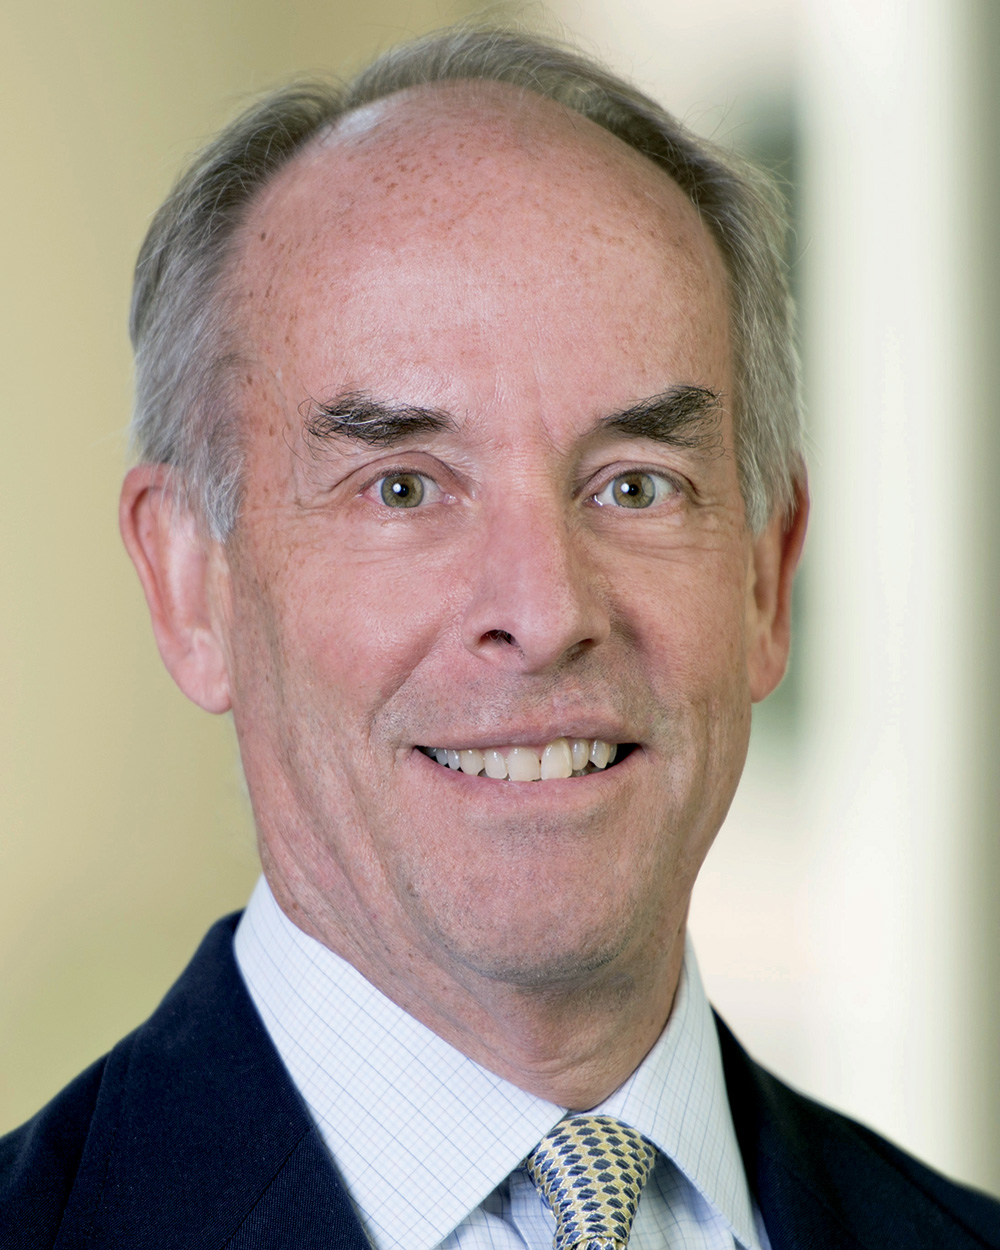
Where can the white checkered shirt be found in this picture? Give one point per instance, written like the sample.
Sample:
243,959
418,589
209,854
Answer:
429,1144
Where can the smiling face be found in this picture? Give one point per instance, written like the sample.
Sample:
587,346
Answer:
491,503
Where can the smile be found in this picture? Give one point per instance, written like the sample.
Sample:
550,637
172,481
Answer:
561,758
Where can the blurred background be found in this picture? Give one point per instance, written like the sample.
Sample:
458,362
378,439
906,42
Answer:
847,920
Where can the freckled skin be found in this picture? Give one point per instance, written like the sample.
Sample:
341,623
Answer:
481,252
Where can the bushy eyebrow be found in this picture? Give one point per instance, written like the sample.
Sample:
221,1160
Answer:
684,416
689,417
356,415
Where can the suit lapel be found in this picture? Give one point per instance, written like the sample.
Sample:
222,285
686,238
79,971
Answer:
199,1138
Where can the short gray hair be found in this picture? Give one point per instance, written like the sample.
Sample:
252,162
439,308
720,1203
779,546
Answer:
186,338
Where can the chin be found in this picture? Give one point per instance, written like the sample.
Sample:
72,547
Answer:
538,958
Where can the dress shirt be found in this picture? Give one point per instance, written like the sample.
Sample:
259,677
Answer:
429,1143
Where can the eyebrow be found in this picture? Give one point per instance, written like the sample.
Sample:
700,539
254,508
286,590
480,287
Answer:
358,416
684,416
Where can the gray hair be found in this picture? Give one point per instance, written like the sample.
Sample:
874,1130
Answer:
186,339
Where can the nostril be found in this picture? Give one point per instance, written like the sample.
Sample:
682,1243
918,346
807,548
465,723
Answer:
499,635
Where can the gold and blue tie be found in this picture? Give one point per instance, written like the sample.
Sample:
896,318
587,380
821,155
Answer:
590,1169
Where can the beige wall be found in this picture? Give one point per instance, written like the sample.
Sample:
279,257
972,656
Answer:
123,829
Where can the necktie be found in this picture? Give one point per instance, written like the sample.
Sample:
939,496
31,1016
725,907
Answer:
590,1169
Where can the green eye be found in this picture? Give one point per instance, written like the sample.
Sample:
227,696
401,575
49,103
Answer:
401,490
635,490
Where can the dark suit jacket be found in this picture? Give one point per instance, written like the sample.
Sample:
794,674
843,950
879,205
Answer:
189,1134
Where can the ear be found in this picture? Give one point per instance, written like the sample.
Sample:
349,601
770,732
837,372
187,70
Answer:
185,579
774,560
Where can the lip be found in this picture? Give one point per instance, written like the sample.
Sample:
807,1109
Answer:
536,739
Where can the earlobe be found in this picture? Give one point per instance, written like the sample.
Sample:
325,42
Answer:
775,558
184,578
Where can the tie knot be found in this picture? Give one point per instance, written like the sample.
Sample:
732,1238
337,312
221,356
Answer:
590,1169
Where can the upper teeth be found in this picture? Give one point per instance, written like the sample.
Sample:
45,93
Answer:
565,757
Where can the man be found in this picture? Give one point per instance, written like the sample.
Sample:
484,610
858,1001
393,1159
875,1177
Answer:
470,483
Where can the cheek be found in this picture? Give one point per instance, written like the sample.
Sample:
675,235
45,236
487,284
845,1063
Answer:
697,663
345,629
695,628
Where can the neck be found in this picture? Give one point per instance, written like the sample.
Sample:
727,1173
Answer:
572,1041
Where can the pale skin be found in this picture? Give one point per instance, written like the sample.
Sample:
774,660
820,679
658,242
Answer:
523,276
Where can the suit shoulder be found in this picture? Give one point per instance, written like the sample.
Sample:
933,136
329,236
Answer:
978,1211
40,1160
841,1177
54,1169
877,1178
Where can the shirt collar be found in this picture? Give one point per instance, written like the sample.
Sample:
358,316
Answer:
420,1133
677,1099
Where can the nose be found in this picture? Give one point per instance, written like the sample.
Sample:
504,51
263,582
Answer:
536,599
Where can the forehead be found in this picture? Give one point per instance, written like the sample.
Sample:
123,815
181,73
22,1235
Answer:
468,208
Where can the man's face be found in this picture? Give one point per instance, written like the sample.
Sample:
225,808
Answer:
449,542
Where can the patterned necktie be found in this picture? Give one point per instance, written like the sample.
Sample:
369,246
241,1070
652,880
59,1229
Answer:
590,1169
